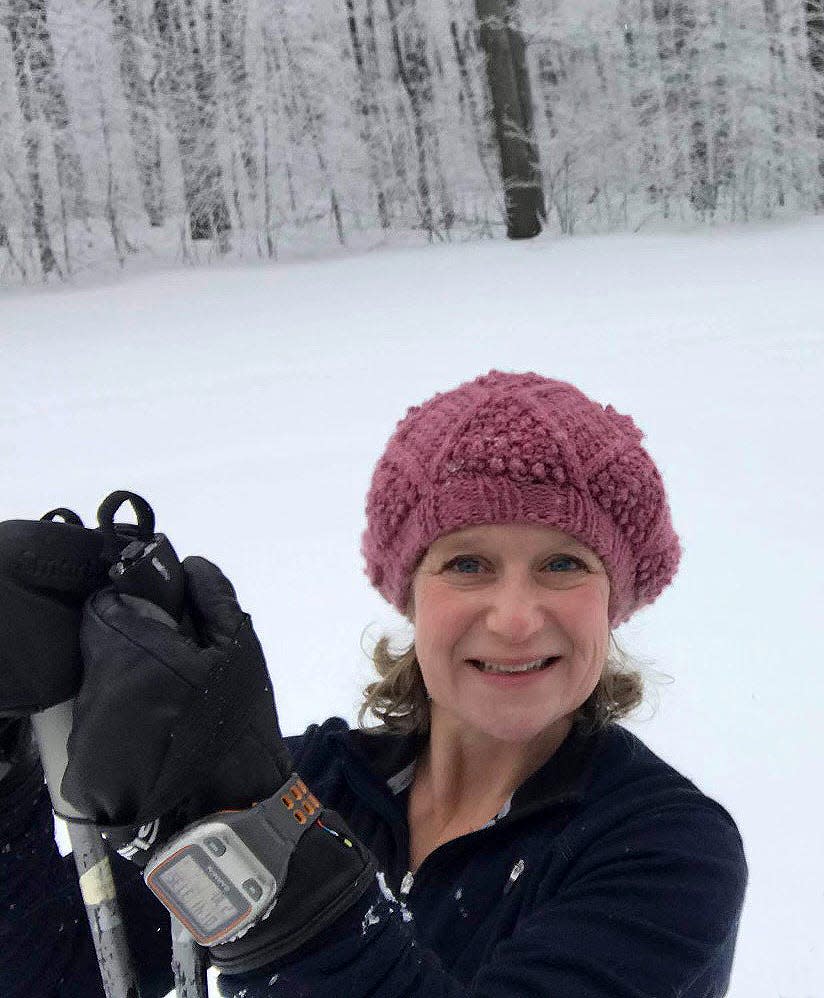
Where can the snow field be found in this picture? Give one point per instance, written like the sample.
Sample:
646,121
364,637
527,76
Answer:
249,406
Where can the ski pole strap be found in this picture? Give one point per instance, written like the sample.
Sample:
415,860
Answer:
66,515
143,511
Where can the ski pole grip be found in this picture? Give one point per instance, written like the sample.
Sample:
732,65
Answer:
148,568
151,572
51,734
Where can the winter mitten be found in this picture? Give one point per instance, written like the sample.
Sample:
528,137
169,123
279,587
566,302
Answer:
169,728
48,568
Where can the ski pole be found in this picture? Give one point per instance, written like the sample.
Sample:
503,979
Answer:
51,731
71,560
149,577
39,558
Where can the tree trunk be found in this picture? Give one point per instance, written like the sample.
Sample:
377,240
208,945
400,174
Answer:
814,11
31,26
367,108
414,74
189,79
721,162
141,110
505,52
644,101
233,19
677,53
302,91
479,131
20,36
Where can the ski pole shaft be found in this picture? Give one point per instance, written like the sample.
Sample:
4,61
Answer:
188,963
108,931
51,731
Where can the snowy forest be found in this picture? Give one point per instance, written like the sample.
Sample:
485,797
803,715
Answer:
188,130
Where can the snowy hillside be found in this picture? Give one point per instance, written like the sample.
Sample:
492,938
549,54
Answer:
249,406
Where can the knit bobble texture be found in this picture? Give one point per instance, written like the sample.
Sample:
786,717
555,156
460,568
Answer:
521,448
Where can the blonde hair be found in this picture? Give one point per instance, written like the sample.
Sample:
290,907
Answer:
398,699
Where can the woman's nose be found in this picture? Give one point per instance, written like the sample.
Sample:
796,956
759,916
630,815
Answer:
517,611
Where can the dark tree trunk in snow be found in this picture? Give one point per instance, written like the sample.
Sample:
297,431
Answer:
505,53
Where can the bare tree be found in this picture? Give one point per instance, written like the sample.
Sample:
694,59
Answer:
132,123
141,105
814,10
504,47
236,104
367,107
678,53
32,138
414,73
304,108
721,168
189,81
463,44
646,105
45,114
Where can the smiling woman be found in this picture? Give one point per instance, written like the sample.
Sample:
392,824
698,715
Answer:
513,647
496,835
400,699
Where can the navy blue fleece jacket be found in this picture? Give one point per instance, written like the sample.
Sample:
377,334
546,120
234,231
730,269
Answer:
610,876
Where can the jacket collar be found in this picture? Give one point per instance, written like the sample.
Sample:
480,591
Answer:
564,777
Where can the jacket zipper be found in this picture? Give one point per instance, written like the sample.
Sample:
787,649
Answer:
406,881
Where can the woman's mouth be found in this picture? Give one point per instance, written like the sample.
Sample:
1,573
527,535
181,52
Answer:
502,669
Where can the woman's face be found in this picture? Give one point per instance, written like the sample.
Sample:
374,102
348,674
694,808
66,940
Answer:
490,600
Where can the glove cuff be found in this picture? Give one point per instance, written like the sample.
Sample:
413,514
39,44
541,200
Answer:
257,883
325,880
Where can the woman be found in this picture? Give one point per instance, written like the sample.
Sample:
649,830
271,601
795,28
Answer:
498,834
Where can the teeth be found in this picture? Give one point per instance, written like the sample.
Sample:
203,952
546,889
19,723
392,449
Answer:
511,669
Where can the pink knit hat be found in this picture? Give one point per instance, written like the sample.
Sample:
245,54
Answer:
520,448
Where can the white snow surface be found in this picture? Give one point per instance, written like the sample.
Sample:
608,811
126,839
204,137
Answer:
249,405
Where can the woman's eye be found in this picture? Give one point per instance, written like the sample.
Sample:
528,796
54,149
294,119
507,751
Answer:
564,563
464,564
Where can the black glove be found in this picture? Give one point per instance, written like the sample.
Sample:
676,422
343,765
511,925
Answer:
172,727
47,571
48,568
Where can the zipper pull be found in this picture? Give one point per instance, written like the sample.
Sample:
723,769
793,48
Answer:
517,870
406,883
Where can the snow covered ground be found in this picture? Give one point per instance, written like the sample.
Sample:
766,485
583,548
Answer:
250,404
